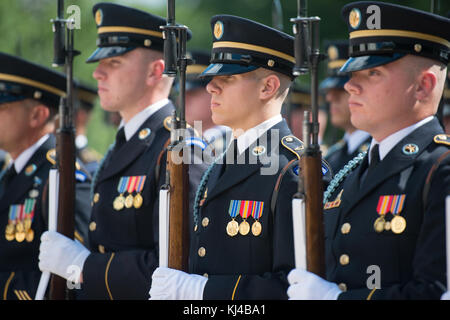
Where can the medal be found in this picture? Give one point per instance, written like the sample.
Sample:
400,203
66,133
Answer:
244,212
10,231
29,236
20,236
119,201
138,200
379,224
129,200
256,228
398,224
233,226
257,211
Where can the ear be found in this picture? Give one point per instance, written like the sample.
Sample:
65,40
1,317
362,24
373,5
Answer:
39,115
270,85
155,71
426,83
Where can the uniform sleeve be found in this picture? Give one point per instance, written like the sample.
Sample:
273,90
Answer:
428,281
270,285
19,285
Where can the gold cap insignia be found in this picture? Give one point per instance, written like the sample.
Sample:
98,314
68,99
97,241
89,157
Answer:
270,63
37,95
417,47
218,30
354,18
99,17
147,42
333,53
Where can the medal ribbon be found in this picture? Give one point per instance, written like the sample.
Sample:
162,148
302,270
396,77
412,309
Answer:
12,213
29,208
21,213
122,184
140,183
384,204
258,208
233,209
397,203
131,184
243,210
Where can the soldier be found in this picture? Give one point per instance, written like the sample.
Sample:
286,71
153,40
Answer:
354,140
384,224
241,241
124,217
29,100
86,97
198,102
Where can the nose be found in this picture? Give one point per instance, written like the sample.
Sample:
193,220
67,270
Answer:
212,86
98,73
352,87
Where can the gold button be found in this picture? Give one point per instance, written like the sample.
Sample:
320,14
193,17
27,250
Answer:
342,286
96,197
346,228
101,248
344,259
205,221
205,275
92,226
201,252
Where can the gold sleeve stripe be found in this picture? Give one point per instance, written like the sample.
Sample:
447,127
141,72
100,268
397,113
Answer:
371,294
106,276
5,290
20,295
27,296
130,30
78,236
398,33
235,287
246,46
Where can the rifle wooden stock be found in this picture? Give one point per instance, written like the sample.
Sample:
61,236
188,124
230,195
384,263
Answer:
311,164
178,212
66,200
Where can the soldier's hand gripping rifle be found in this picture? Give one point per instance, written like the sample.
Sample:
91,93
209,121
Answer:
307,203
174,196
64,54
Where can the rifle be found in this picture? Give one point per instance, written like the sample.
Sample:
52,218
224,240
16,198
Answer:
309,196
65,142
174,196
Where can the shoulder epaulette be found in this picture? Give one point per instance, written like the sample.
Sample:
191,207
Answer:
442,139
51,157
293,144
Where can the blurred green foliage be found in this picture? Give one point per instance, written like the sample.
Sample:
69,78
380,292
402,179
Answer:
27,31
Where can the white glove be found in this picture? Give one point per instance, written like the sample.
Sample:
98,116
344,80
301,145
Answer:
446,295
305,285
171,284
61,255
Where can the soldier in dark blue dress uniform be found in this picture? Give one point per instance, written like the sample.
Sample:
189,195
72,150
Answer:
29,99
384,223
241,239
354,140
124,218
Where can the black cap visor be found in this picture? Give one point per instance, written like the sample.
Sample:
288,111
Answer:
367,62
108,52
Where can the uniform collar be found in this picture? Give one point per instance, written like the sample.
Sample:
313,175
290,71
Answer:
355,139
391,141
135,123
251,135
20,162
